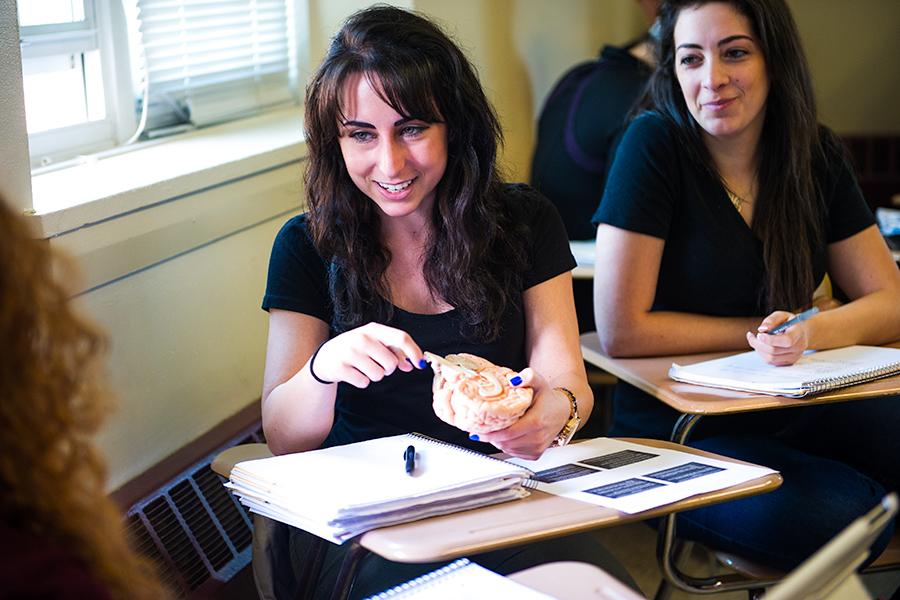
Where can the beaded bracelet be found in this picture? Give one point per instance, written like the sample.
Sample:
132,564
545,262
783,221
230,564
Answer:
313,373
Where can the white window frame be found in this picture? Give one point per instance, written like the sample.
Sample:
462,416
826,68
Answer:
96,32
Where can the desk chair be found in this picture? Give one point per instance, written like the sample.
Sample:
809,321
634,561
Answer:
830,573
650,374
272,571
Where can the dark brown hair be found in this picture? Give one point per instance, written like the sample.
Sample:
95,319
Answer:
474,256
52,401
789,213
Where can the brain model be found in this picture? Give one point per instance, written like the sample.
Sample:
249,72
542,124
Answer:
474,394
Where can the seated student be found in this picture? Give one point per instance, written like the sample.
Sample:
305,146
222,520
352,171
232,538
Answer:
60,536
580,123
412,243
725,206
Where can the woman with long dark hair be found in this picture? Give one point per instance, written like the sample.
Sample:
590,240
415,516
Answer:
726,205
412,243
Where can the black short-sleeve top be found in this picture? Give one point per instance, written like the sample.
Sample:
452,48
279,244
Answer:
297,281
712,263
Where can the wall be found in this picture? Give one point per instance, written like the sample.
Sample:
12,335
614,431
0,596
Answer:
852,48
521,47
15,182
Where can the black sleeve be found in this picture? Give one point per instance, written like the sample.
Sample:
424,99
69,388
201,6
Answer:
641,189
549,250
297,278
848,212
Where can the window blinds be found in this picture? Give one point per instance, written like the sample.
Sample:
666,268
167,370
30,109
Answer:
207,61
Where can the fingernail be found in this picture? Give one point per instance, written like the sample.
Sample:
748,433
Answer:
422,363
473,437
515,380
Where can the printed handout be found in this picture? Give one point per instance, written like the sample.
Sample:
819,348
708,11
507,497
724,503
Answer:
632,477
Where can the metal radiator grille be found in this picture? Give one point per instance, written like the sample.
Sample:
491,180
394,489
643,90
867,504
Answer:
194,529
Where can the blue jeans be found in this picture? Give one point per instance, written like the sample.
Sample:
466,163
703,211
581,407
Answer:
838,461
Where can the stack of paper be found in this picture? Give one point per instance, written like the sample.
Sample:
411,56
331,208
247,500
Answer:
340,492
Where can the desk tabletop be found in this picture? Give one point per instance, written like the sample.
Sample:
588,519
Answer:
574,581
539,516
651,375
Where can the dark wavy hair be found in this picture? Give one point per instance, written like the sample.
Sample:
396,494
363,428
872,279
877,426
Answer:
475,253
789,212
53,399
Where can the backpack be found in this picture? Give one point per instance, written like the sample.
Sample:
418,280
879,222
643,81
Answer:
582,116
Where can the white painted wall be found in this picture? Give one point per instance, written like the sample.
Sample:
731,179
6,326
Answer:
15,182
187,333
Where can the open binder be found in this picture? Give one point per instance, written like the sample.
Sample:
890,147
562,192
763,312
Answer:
340,492
815,372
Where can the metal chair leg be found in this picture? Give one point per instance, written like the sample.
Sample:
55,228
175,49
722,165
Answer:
349,568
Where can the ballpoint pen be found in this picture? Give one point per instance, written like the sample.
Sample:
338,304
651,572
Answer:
410,457
801,317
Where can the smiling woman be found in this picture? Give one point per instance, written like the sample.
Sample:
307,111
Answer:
413,243
725,206
396,161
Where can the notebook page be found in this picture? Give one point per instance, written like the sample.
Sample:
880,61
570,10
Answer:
748,371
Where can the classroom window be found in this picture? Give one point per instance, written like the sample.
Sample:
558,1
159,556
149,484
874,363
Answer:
101,74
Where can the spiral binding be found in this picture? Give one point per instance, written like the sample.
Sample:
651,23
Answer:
832,383
423,580
431,440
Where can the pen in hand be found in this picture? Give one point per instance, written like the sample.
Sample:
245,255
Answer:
409,455
801,317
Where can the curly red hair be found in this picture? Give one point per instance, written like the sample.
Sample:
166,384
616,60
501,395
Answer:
53,398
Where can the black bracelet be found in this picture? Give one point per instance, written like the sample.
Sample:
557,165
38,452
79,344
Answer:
312,359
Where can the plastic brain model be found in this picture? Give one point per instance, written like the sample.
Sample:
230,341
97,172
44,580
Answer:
475,395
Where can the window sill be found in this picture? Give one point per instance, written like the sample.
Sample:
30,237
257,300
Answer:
157,172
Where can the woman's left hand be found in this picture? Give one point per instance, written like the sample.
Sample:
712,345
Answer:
534,432
780,349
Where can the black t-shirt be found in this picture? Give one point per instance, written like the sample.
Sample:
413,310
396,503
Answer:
402,402
712,263
597,117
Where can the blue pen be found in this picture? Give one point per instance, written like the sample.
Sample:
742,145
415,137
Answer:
801,317
410,457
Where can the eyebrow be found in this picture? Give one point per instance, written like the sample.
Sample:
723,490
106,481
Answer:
365,125
722,42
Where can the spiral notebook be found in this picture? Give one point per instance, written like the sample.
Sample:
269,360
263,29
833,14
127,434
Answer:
340,492
461,580
815,372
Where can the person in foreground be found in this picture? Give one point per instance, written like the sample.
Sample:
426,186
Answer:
726,205
412,243
60,535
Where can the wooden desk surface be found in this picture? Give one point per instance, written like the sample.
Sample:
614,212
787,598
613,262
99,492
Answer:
652,376
539,516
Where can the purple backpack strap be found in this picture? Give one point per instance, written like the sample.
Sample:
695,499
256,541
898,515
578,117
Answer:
580,157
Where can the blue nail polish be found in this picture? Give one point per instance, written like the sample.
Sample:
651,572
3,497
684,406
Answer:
473,437
422,363
515,380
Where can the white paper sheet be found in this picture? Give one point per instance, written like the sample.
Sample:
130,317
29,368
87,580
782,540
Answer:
630,477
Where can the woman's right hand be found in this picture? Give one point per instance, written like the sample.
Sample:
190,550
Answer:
368,353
